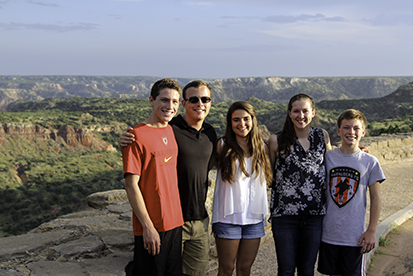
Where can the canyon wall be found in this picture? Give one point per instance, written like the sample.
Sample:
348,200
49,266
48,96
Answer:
72,136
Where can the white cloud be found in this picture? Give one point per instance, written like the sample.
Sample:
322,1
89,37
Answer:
199,3
302,17
49,27
342,32
391,19
43,4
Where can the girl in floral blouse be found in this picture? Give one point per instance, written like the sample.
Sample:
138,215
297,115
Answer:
298,201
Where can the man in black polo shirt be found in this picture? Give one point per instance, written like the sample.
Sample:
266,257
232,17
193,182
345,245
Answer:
196,141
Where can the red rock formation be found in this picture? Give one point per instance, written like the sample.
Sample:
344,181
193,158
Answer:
72,136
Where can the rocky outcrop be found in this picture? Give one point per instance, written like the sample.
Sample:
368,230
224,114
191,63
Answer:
390,148
27,131
71,135
74,136
97,241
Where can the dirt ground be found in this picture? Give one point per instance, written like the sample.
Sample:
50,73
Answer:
395,256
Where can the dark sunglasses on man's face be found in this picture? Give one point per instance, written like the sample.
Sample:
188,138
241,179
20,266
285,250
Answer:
195,99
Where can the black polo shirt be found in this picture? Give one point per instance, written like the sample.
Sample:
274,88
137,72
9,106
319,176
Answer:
195,152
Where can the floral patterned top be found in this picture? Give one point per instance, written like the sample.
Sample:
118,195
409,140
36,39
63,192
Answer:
298,186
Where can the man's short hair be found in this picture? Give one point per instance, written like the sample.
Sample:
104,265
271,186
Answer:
352,114
196,84
165,83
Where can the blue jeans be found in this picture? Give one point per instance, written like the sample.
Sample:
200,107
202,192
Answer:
297,240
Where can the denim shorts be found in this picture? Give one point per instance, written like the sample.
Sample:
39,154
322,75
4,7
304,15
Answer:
236,232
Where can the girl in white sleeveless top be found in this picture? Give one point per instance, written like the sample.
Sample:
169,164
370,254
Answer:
240,203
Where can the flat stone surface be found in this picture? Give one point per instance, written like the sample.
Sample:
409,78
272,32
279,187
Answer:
119,208
111,265
126,216
77,247
116,237
17,245
10,272
49,268
63,221
92,224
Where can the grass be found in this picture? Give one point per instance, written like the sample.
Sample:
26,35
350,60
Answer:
384,241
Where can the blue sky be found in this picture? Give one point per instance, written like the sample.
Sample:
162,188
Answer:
207,38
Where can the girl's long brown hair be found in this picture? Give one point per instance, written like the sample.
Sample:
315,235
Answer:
287,136
231,151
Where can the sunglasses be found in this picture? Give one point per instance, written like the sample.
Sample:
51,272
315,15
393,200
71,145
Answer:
195,99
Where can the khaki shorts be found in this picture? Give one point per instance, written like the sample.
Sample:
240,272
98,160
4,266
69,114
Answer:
195,247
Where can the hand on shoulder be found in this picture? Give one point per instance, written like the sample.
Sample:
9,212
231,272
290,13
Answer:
273,148
220,145
327,139
126,138
273,142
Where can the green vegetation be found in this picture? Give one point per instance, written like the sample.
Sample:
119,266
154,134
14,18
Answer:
60,189
42,179
77,112
384,241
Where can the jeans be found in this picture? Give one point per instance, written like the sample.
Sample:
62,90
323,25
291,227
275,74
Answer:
297,240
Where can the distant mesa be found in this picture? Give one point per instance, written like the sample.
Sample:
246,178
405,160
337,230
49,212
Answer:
275,89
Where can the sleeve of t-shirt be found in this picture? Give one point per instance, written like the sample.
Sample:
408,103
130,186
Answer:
376,174
131,157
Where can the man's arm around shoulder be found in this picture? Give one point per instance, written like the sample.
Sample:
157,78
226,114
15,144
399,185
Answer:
126,138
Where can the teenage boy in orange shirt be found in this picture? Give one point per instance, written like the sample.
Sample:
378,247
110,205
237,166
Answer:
151,183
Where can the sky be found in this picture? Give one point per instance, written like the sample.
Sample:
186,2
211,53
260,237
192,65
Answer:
207,38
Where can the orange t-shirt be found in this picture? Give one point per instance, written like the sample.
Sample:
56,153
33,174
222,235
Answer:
153,157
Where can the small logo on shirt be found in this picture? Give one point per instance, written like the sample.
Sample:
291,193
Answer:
344,183
165,140
167,159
